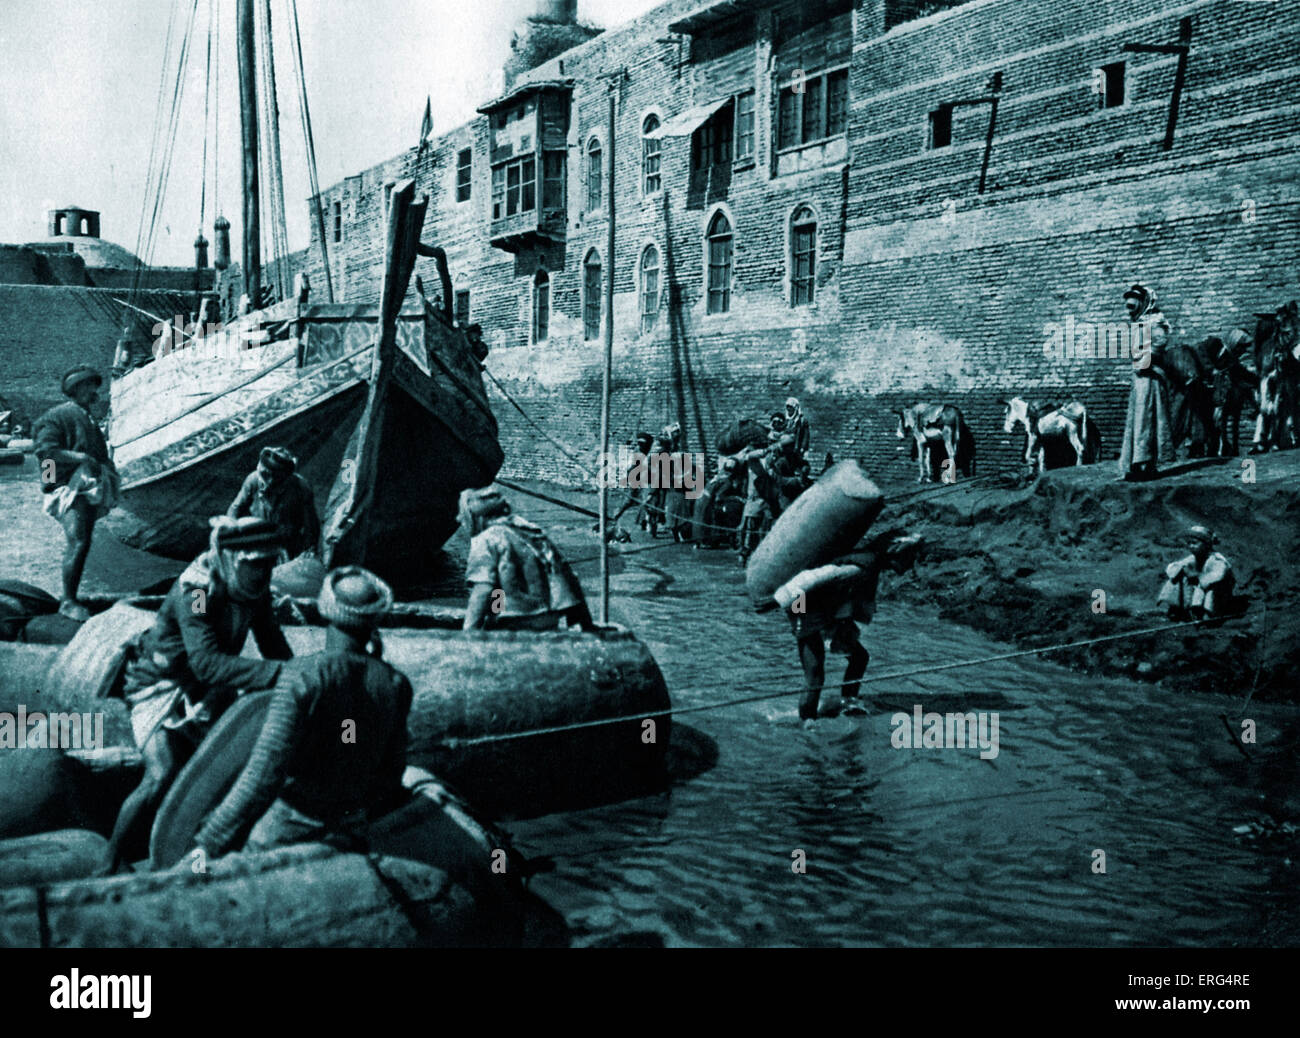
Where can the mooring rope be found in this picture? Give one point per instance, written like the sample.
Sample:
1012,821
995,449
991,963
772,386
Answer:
454,743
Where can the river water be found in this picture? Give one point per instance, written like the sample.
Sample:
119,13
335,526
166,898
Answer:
917,846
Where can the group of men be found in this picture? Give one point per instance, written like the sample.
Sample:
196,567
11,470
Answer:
305,781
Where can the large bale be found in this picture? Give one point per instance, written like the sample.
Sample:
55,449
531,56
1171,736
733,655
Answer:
742,435
302,577
91,665
20,602
303,896
51,857
55,629
824,522
39,791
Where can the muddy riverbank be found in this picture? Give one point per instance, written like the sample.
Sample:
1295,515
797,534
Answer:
1079,555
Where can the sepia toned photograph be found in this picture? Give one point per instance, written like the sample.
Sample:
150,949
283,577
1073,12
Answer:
651,474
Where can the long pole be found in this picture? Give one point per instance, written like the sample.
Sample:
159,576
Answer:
273,161
248,121
605,468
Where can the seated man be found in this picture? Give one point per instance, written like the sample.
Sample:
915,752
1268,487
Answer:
305,779
184,672
826,602
1200,585
518,579
276,492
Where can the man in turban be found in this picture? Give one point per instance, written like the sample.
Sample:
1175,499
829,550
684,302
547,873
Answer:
1148,432
184,671
1199,585
518,579
305,781
78,478
276,492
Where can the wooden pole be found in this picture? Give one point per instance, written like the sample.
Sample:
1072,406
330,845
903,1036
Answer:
247,53
605,469
282,283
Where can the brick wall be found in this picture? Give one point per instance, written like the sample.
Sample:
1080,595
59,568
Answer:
925,288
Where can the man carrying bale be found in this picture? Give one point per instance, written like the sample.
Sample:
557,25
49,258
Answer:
305,780
829,601
184,672
518,579
78,479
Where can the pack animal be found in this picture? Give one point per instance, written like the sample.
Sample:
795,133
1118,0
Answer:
1277,360
1046,425
932,427
1233,386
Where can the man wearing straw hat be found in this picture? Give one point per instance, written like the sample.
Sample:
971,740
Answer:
305,779
184,672
78,478
518,579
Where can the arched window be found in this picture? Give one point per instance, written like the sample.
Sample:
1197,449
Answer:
652,180
720,252
803,256
591,296
649,288
541,306
595,173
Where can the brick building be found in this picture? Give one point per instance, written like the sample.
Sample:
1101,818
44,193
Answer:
807,203
60,305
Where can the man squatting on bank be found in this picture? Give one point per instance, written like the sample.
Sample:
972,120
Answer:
826,602
78,480
184,671
304,780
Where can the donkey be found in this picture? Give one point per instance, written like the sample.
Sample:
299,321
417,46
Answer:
1234,386
935,426
1277,359
1046,424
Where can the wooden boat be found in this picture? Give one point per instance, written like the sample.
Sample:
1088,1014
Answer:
520,723
367,397
383,405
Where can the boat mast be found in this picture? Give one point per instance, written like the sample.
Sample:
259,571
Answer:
245,48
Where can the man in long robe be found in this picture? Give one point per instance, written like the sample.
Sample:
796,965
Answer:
1148,433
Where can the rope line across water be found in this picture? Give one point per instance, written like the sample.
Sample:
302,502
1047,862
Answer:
455,743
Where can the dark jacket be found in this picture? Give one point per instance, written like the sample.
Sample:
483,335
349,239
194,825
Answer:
197,638
292,508
305,755
67,427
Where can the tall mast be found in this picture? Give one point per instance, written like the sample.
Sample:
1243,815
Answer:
248,120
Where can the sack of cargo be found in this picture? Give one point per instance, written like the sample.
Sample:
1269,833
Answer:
39,788
741,435
51,857
19,603
825,522
299,578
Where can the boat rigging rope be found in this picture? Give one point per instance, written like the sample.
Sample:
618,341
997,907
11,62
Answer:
154,142
207,103
867,679
304,113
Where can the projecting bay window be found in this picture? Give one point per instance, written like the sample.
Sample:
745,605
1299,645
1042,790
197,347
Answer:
514,188
813,109
553,169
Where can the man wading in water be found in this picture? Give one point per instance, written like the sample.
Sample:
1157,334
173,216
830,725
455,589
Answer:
78,480
826,602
